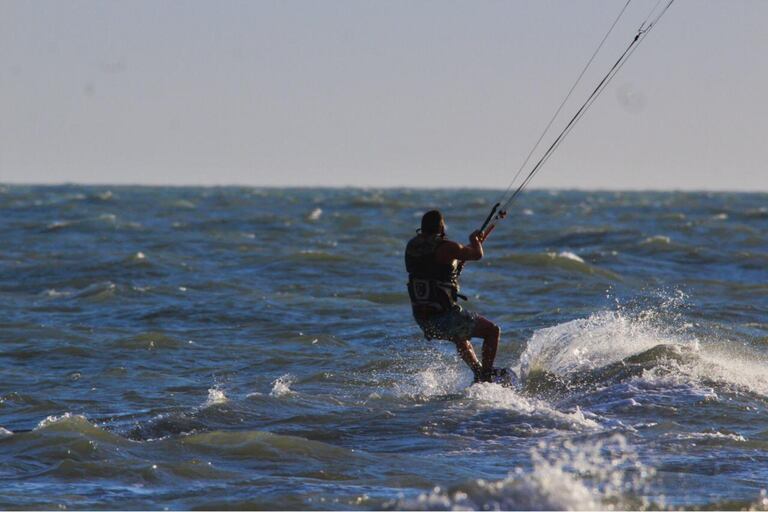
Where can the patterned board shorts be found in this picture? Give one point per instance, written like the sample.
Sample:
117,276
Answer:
456,324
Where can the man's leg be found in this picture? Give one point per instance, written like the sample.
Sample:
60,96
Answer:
467,353
490,333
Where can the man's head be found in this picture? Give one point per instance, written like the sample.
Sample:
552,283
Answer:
432,223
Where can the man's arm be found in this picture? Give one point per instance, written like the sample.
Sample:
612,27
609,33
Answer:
450,250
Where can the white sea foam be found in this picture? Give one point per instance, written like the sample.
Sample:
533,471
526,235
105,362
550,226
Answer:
438,377
495,396
315,214
585,344
63,418
216,396
282,385
445,375
608,337
570,256
597,475
58,224
54,293
184,204
657,240
737,368
706,436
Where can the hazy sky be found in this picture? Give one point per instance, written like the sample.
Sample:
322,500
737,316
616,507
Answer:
385,93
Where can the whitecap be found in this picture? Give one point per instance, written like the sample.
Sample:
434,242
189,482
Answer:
184,203
315,214
711,435
282,386
657,240
589,476
609,337
57,225
63,418
498,397
54,293
585,344
216,396
570,256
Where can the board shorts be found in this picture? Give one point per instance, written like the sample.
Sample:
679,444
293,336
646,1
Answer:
454,325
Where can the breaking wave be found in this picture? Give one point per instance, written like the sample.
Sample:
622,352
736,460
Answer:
604,475
649,345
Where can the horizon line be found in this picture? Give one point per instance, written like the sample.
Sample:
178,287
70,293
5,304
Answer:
369,187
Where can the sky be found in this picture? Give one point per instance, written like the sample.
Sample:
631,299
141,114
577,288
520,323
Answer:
413,93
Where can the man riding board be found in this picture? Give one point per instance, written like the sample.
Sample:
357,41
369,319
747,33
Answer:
432,262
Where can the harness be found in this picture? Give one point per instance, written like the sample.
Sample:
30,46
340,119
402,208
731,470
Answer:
433,287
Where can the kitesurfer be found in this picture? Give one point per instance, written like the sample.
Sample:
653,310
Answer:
433,265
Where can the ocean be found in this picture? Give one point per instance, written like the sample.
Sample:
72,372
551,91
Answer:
253,348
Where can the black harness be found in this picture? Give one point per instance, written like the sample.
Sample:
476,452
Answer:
432,286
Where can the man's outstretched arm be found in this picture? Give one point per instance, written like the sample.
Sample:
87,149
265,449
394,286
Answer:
450,250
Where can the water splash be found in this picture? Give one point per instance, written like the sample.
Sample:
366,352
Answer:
495,396
282,386
612,337
216,396
569,476
437,377
601,339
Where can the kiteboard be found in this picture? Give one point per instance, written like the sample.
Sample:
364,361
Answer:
506,377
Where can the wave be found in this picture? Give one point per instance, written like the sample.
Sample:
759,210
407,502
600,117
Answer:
586,344
495,396
71,446
167,425
605,474
216,396
108,220
65,436
264,445
97,291
661,244
611,346
564,260
446,377
282,386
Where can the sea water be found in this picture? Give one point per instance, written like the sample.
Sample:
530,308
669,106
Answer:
198,348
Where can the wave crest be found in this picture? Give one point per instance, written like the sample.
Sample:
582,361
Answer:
600,475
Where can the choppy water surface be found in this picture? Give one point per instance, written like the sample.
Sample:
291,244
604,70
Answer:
253,348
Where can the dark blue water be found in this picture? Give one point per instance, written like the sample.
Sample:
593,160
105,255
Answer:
197,348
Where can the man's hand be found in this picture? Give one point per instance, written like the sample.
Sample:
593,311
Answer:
476,239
